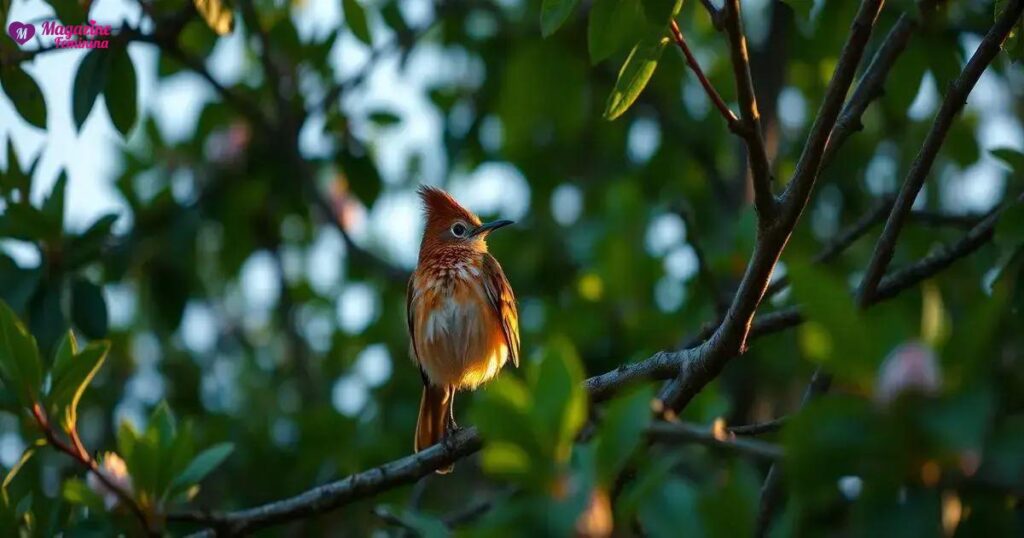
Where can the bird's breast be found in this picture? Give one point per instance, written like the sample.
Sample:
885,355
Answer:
459,340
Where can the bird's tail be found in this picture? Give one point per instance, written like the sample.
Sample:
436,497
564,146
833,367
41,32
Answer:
435,408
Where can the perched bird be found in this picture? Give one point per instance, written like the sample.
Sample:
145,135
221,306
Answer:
463,323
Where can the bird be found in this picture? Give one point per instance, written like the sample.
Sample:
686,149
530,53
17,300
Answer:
461,311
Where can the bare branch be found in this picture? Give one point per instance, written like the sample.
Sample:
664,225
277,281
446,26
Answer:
759,428
872,84
807,168
952,104
678,432
723,109
750,129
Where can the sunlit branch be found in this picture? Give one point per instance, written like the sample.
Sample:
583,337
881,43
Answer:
750,128
723,108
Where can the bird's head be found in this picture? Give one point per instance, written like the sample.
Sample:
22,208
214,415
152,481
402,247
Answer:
450,224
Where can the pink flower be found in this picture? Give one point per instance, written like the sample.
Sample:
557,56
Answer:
115,471
911,367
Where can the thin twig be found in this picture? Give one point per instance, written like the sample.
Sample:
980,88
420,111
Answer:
759,428
952,104
719,103
872,84
82,456
677,432
750,129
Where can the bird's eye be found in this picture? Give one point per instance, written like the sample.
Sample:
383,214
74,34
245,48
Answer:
458,229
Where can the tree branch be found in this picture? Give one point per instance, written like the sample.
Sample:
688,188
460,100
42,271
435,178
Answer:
872,83
808,167
953,103
79,454
466,441
730,119
750,129
678,432
759,428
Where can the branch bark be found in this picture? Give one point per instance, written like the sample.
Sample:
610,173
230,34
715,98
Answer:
952,104
750,128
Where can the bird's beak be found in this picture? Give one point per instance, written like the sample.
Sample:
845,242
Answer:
489,227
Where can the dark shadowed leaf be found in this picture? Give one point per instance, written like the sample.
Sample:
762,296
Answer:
88,308
620,432
25,94
355,18
553,14
120,91
20,367
614,25
89,83
1012,157
53,205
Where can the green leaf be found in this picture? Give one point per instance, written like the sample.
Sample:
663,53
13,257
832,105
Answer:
218,15
53,205
25,94
559,401
836,335
120,91
46,316
22,221
88,246
671,510
202,465
20,367
660,12
384,118
90,81
1012,157
25,456
634,75
1009,232
614,25
553,14
355,18
17,285
76,491
66,351
88,308
69,11
75,378
362,174
620,432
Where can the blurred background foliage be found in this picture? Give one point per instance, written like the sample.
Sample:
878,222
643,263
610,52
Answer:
263,300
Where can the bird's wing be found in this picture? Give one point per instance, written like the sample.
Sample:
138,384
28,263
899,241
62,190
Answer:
501,298
410,317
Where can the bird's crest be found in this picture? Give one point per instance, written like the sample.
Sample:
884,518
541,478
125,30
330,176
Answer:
442,209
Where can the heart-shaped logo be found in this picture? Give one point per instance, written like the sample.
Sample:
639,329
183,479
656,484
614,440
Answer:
21,32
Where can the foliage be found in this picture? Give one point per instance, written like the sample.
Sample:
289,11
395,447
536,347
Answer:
224,286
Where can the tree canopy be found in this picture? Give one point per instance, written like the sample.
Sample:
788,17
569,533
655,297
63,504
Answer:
769,263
